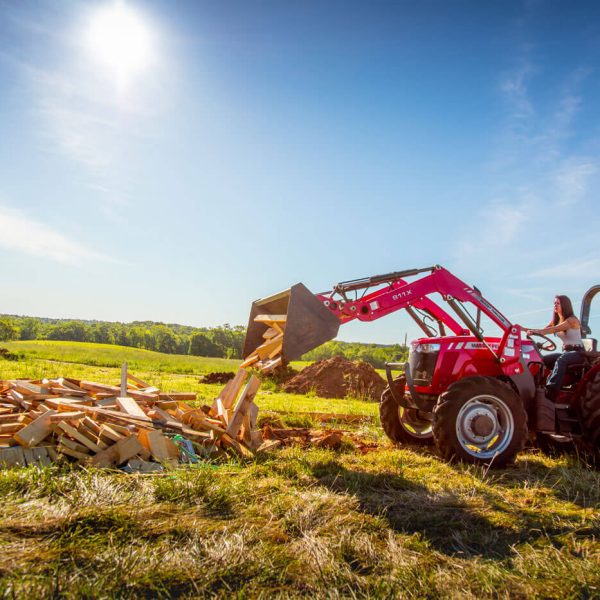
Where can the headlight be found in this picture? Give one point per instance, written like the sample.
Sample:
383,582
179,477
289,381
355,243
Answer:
427,348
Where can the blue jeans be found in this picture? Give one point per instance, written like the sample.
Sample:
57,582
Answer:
561,362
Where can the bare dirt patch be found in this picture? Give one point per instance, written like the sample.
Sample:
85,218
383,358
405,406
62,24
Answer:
338,377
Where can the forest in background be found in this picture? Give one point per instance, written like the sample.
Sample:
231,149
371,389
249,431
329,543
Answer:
225,341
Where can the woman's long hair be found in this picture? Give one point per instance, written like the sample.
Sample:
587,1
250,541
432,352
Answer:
566,307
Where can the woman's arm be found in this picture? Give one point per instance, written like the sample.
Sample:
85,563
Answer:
570,323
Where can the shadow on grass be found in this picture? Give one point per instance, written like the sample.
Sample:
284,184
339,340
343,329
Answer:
445,520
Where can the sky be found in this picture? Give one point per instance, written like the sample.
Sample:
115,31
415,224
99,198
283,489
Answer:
174,161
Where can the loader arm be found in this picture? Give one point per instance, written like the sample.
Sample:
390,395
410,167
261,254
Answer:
309,325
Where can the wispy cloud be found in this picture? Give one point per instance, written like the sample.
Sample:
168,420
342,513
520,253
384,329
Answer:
27,236
573,180
583,267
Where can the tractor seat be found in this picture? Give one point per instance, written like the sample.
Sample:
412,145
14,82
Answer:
590,344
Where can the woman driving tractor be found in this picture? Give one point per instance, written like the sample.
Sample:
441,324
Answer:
568,328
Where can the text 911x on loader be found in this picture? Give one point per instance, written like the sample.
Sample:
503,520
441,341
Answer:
476,397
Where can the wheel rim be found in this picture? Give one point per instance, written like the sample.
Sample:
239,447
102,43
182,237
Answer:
484,426
414,425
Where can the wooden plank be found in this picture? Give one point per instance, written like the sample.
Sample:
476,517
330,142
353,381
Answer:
162,448
265,349
270,333
229,393
139,382
82,439
232,389
250,360
11,427
243,406
276,351
63,440
36,431
72,453
91,425
118,453
131,407
90,435
270,319
108,434
26,388
67,416
179,396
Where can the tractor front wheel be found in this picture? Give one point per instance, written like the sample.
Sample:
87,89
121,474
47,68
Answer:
404,425
480,420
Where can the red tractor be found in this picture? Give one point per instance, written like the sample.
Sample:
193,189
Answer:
478,398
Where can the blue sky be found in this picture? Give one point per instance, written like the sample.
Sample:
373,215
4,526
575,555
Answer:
251,145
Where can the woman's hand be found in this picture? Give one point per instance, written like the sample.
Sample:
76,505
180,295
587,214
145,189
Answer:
533,332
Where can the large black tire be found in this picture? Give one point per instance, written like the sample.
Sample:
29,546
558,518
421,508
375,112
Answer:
480,420
403,425
589,414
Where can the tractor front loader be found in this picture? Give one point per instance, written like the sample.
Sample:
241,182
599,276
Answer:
476,397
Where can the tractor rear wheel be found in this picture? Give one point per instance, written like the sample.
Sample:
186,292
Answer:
480,420
404,425
589,413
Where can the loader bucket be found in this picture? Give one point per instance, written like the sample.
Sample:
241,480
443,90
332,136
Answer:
309,324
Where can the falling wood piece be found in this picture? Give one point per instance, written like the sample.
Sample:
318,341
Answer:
118,453
243,406
276,351
270,333
36,431
264,350
232,389
131,407
270,319
222,412
162,448
250,360
272,364
230,392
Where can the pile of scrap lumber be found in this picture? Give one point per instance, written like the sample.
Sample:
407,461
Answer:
267,357
134,424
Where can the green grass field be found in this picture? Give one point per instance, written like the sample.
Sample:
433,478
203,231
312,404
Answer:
396,522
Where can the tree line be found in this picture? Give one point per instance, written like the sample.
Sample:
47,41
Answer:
225,341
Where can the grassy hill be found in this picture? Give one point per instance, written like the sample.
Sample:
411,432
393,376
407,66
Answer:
395,522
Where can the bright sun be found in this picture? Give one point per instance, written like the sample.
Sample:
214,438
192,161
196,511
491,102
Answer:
120,40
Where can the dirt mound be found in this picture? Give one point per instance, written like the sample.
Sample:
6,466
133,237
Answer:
217,377
338,377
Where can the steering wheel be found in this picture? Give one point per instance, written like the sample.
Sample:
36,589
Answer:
547,345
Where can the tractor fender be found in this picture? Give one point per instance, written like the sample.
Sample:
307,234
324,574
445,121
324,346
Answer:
524,384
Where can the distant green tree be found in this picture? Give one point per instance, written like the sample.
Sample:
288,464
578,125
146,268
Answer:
201,345
73,331
8,330
164,339
30,329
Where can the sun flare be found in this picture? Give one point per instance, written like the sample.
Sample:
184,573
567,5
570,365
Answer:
119,39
